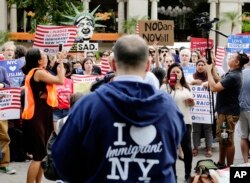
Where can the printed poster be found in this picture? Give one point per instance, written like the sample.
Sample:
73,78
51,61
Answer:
10,103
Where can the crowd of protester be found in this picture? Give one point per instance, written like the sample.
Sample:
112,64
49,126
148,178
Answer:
53,73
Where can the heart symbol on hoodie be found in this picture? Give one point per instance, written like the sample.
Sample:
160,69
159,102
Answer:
12,68
143,135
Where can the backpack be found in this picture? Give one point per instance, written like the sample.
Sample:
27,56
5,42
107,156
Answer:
47,163
202,172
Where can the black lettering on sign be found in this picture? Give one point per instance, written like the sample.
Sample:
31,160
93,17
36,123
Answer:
157,26
160,31
155,37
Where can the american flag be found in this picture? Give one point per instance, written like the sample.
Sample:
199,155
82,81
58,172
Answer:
220,54
137,31
48,37
105,67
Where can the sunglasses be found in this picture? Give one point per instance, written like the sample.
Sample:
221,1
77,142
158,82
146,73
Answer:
91,56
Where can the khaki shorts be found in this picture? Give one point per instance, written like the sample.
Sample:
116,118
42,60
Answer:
231,122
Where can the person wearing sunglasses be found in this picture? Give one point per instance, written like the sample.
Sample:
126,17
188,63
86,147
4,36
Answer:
163,52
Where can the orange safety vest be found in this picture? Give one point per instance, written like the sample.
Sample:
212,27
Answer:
29,103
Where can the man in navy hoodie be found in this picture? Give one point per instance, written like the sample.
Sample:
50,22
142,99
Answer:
125,131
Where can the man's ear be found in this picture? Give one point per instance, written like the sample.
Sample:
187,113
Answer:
113,65
148,65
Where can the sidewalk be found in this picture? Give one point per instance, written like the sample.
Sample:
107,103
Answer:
21,168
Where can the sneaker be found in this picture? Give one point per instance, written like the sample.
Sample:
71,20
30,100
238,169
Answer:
220,165
7,170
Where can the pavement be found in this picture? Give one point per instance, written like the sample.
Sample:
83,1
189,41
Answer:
21,168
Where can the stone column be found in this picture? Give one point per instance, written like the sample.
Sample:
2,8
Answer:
137,8
154,11
86,5
13,18
213,14
121,14
241,3
4,16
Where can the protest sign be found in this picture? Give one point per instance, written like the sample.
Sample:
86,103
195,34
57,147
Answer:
201,112
82,83
87,46
10,103
160,32
14,71
189,69
201,44
238,43
48,38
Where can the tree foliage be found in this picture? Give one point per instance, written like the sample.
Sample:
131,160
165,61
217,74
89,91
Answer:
246,22
3,37
129,25
231,17
47,11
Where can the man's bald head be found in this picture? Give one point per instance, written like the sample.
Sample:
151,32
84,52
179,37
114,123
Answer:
131,50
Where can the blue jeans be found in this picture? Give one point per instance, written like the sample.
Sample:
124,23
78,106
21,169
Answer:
59,114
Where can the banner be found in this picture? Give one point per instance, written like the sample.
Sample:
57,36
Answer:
48,38
238,43
160,32
201,112
10,103
82,83
201,44
14,71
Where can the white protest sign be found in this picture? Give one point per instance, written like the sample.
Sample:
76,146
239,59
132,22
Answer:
201,112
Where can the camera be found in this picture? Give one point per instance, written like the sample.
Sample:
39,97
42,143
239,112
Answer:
203,21
100,81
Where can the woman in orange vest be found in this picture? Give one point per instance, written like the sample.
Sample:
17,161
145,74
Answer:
40,98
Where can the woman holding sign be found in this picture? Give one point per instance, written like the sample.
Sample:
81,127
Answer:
40,98
200,78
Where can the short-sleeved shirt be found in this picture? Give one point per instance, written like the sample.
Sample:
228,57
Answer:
244,96
227,101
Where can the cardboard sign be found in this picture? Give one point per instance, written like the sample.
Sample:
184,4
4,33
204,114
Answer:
161,32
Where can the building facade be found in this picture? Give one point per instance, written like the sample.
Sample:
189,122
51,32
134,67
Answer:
137,8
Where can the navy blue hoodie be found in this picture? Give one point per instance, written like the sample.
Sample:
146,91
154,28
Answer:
123,132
